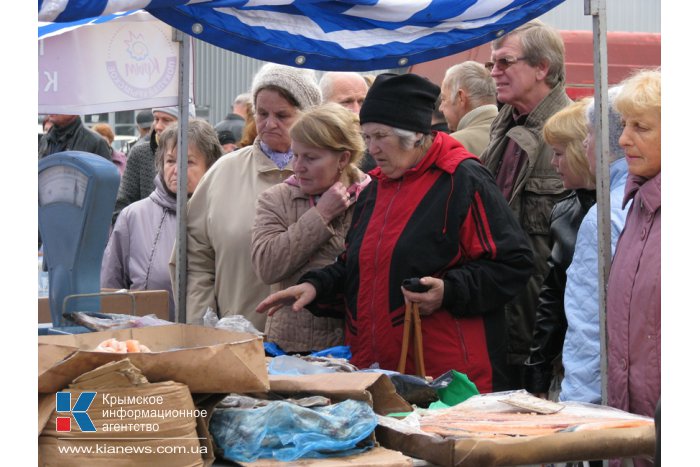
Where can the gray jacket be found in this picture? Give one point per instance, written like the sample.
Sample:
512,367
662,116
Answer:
141,243
536,190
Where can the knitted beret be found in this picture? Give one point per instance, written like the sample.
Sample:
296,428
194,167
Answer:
173,110
299,82
400,101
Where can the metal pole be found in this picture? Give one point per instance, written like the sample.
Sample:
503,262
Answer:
181,211
597,9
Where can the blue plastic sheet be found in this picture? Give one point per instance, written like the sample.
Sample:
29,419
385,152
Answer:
287,432
294,366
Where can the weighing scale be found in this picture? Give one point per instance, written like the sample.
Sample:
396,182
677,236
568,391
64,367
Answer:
77,193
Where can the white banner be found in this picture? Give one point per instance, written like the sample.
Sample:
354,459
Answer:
124,64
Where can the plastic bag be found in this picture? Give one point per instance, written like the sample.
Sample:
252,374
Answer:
453,388
288,432
236,323
294,366
112,321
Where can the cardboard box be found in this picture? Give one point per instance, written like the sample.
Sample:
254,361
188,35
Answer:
147,302
207,360
377,457
545,449
374,388
177,435
121,380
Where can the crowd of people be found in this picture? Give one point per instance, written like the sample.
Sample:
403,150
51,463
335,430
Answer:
313,200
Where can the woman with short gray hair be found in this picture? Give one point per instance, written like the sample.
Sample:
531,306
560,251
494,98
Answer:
142,241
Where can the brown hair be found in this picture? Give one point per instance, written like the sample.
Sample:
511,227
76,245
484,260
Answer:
104,130
200,133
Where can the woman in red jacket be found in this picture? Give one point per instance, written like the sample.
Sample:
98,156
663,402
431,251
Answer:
434,212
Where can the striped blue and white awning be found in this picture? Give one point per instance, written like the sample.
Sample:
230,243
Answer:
358,35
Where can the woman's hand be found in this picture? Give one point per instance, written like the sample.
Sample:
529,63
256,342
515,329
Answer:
297,295
429,301
334,201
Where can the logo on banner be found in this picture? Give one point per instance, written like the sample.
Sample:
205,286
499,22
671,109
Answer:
78,411
142,61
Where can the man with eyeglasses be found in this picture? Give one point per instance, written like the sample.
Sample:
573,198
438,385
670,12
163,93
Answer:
468,101
527,66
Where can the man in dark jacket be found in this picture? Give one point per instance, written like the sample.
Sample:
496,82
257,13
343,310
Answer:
527,65
235,121
69,134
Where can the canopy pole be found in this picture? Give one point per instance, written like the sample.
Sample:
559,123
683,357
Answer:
181,210
597,9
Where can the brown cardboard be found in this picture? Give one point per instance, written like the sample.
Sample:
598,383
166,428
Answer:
207,360
373,388
147,302
379,457
559,447
173,415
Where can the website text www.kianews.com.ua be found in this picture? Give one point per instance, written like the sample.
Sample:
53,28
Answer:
102,448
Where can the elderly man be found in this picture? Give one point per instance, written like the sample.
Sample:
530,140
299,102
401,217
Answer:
468,101
235,121
67,133
527,65
346,88
349,90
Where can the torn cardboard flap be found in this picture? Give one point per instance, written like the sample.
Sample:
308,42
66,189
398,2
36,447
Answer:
207,360
373,388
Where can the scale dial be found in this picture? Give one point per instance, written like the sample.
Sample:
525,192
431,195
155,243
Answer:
62,184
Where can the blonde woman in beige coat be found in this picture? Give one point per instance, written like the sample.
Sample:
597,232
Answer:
301,224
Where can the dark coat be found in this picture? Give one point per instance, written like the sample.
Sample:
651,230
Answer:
550,323
73,137
444,218
537,188
137,179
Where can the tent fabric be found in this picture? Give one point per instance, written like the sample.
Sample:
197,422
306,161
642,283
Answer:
360,35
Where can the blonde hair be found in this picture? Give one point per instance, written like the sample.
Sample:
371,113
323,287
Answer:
331,126
568,128
640,93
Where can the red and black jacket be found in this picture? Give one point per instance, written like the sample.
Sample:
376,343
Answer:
444,218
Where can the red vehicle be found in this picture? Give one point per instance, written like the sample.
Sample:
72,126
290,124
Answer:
627,51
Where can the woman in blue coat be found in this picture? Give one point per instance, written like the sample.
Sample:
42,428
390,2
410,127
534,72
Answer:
581,354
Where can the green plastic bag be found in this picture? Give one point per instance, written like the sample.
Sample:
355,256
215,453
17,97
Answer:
459,389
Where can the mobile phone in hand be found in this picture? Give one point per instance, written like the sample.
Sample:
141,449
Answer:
414,285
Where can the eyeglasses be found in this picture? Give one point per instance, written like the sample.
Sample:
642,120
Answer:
503,63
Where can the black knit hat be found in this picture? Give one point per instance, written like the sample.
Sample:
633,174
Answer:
400,101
